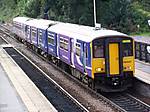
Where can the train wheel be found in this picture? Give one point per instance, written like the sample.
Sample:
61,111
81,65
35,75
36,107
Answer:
45,55
85,78
91,83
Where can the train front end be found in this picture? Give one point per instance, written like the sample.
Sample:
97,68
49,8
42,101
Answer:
112,63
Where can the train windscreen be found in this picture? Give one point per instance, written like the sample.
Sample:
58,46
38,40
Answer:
127,48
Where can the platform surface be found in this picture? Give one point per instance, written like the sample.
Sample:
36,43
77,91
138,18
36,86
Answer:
17,92
9,99
142,71
144,39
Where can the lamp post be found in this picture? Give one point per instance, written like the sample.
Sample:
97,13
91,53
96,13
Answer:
97,26
94,12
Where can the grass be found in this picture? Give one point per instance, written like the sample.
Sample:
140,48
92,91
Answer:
146,34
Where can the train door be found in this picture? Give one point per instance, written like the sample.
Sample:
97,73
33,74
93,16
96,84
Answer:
72,44
28,33
114,58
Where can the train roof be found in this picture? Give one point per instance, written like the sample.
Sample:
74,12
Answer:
21,19
84,33
143,39
40,23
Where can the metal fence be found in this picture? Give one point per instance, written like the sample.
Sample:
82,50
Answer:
142,51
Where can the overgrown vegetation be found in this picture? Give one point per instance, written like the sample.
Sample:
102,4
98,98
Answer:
123,15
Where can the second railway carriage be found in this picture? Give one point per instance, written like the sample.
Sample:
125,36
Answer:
104,59
36,33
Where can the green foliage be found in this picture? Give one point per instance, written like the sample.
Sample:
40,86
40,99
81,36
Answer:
7,8
32,8
121,15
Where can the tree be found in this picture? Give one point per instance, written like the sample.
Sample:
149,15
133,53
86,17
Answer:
32,8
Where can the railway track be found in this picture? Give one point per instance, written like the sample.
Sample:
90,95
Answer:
128,103
120,102
2,41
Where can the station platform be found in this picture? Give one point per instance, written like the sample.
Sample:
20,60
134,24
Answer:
9,99
144,39
17,92
142,71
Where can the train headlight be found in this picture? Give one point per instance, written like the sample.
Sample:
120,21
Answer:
128,68
98,69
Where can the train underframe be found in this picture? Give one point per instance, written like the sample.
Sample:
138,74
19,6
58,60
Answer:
106,84
114,83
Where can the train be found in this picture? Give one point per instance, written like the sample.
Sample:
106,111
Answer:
101,58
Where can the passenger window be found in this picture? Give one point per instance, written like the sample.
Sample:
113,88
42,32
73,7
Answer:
50,39
33,34
98,51
40,36
64,43
127,49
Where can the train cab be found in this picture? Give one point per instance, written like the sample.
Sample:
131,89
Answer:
113,62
